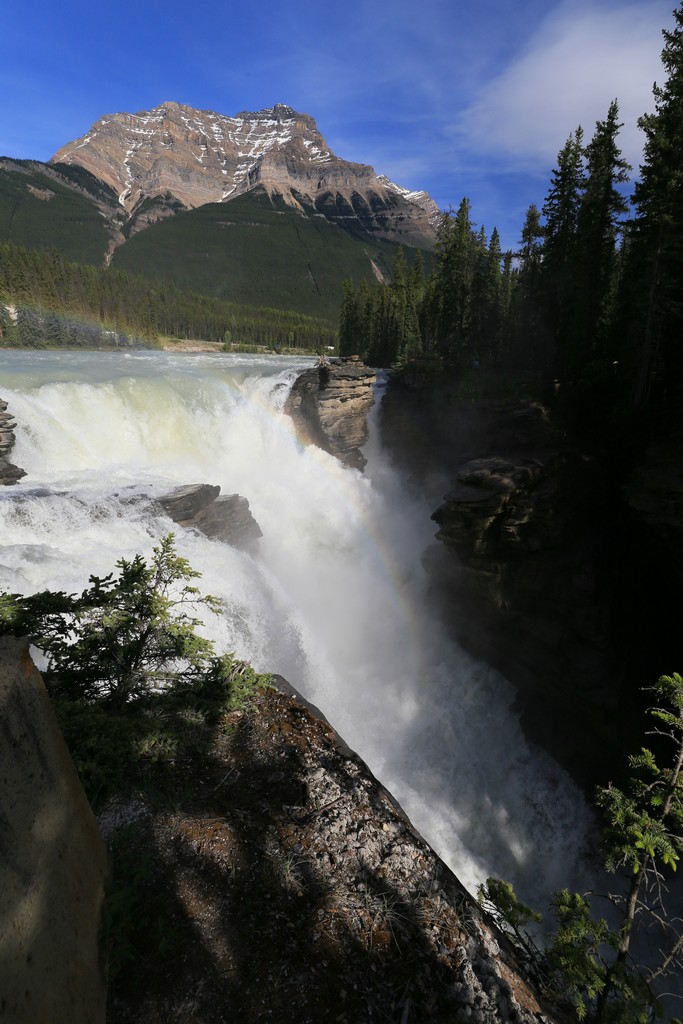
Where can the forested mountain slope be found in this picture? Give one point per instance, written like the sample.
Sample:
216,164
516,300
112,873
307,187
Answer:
253,209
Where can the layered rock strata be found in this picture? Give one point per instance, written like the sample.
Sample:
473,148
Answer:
201,507
195,157
330,404
9,473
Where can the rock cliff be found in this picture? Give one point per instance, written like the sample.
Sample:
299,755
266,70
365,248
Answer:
532,580
9,473
527,593
329,405
292,886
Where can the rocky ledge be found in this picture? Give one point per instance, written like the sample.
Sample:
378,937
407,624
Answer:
527,581
329,405
291,887
527,592
9,473
201,507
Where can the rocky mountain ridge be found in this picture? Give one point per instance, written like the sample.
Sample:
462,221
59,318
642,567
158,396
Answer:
178,154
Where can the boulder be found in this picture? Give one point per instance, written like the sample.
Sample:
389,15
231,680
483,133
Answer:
183,503
329,405
200,506
53,863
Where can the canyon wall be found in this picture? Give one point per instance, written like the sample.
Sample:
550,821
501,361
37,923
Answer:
557,567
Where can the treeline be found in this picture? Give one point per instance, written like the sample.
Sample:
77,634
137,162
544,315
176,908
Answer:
590,298
457,313
47,301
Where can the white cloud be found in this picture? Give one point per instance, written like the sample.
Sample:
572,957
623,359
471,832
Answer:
578,61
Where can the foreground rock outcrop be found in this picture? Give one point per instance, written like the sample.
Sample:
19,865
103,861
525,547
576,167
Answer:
201,506
9,473
52,863
330,404
292,887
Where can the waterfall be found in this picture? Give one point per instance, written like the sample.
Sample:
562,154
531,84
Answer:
334,598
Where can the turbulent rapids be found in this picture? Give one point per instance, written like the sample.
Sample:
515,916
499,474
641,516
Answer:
333,597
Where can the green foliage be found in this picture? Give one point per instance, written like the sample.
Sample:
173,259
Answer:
636,831
587,962
123,635
128,635
255,254
592,305
642,838
458,314
597,232
133,682
138,692
113,747
500,897
645,821
41,208
103,745
65,304
574,956
651,313
258,251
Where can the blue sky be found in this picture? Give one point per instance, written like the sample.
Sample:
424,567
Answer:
458,98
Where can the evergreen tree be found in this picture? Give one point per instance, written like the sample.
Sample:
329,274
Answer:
561,212
416,295
588,961
494,300
123,636
349,327
405,321
528,334
450,292
651,307
381,349
508,281
595,257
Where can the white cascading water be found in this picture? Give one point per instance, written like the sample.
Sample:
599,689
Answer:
333,598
